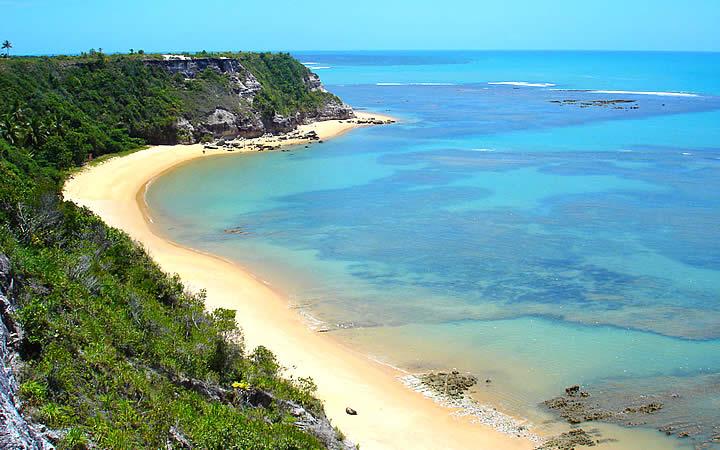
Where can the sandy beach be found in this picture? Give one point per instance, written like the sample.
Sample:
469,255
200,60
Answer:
389,414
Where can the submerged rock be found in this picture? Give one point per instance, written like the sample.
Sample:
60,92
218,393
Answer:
569,441
645,409
665,411
451,384
575,406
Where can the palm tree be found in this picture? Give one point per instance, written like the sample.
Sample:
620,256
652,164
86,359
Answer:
55,125
36,133
12,125
7,45
10,130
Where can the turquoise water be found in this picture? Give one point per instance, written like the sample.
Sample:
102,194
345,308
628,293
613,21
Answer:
497,228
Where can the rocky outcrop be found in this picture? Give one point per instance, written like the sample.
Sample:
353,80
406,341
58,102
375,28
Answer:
451,384
569,441
239,118
578,406
243,81
222,123
16,432
313,82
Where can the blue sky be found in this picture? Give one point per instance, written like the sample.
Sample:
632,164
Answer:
70,26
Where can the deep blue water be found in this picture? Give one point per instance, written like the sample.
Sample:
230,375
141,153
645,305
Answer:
497,228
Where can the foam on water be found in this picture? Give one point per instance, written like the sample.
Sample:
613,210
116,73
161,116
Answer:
415,84
521,83
660,94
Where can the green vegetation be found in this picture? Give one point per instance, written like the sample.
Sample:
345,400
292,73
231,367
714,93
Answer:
6,45
282,79
66,112
116,353
69,108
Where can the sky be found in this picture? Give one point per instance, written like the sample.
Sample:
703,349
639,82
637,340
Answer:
72,26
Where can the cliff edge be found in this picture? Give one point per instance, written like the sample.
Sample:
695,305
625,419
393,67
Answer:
227,97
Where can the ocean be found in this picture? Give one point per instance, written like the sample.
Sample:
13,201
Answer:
540,219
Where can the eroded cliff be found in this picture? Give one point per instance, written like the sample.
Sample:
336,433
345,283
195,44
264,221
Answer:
229,97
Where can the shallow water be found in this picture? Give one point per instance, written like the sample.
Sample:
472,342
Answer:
495,230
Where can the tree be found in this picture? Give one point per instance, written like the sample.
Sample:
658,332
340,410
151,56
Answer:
10,127
7,45
55,125
36,132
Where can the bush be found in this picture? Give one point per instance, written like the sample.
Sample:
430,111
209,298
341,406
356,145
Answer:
33,392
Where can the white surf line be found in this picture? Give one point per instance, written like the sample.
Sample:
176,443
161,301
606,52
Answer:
479,413
414,84
521,83
620,92
661,94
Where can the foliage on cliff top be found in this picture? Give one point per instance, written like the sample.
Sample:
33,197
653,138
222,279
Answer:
284,83
68,107
63,112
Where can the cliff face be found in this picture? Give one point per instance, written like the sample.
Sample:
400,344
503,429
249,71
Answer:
16,432
230,108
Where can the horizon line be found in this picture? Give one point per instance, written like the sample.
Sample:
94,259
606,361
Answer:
518,50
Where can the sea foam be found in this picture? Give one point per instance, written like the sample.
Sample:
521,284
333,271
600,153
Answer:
521,83
662,94
614,92
415,84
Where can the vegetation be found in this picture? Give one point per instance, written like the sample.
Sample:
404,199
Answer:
69,108
6,45
116,353
65,113
281,76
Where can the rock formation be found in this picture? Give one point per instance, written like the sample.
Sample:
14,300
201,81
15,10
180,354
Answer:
16,432
235,116
450,384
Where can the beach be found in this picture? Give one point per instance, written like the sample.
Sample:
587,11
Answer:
389,415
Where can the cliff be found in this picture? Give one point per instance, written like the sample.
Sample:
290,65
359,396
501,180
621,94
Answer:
68,109
16,432
230,104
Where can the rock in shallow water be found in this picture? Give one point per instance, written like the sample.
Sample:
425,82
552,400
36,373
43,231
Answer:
451,384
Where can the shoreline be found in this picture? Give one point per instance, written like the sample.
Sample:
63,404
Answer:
389,414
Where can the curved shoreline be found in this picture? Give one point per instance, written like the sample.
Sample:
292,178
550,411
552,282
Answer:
389,414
